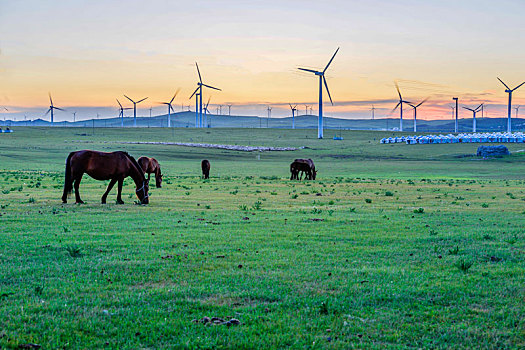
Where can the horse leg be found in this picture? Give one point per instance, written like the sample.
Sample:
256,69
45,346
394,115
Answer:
110,186
77,193
119,191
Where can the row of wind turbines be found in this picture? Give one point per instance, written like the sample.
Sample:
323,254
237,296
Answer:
473,110
201,119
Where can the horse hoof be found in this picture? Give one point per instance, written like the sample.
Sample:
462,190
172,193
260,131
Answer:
120,202
102,202
80,202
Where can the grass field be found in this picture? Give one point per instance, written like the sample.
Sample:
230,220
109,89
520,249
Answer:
399,246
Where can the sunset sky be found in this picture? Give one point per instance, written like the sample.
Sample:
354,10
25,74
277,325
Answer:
87,53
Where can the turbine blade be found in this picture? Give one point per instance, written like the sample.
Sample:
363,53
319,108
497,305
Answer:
211,87
290,105
207,103
425,100
60,109
325,68
175,95
308,70
328,91
470,109
503,83
129,99
142,100
478,107
198,71
398,92
517,87
50,99
171,108
194,92
49,110
395,107
118,102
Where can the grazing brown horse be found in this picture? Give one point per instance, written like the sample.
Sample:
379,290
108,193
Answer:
205,165
150,165
305,166
115,166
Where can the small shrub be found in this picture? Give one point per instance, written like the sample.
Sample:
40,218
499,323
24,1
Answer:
419,210
454,251
389,194
31,200
295,196
74,251
368,200
484,205
323,308
464,265
243,207
257,205
273,193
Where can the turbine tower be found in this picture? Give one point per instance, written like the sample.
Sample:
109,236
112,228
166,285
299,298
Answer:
200,84
51,109
121,113
322,80
373,109
510,91
400,105
293,108
415,112
74,116
269,109
474,111
170,107
229,110
206,111
456,122
197,94
135,109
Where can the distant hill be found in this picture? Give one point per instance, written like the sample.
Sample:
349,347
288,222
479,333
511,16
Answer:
187,119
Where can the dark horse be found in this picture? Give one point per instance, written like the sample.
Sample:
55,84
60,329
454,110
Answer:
205,165
115,166
305,166
150,165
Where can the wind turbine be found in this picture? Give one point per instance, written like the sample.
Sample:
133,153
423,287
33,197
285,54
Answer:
74,116
400,105
121,113
200,84
197,94
510,91
170,107
51,109
373,109
322,80
135,109
474,111
269,109
415,112
517,109
293,108
453,108
229,110
206,111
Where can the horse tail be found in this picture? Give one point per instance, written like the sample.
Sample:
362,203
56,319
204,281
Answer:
68,183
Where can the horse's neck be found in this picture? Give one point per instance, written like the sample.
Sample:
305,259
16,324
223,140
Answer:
137,175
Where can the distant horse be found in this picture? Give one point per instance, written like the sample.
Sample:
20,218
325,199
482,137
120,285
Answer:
205,165
115,166
305,166
150,165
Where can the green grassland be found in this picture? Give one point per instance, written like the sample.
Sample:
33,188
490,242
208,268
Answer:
398,246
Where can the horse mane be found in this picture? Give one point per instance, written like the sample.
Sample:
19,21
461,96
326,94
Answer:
135,163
